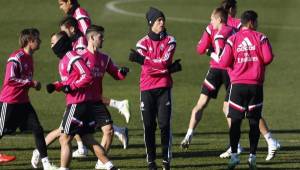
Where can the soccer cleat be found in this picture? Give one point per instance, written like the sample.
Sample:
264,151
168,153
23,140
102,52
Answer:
185,143
227,153
233,162
80,153
114,168
123,137
6,158
152,166
166,165
125,110
35,159
48,166
252,162
272,149
99,165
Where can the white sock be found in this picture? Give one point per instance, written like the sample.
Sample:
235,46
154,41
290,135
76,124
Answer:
62,168
108,165
189,133
80,145
117,130
252,155
115,103
268,137
45,161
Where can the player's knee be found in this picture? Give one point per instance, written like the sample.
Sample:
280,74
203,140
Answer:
225,109
108,131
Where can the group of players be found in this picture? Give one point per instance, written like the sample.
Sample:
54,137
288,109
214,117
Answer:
238,55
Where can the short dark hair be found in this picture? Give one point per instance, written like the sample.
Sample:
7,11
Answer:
227,4
248,16
28,34
94,29
68,22
222,13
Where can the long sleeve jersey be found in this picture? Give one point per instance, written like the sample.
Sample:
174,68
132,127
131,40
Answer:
18,78
216,39
234,22
79,44
83,19
74,72
158,56
246,54
99,63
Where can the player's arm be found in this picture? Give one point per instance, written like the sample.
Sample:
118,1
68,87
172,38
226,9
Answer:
84,74
219,43
13,71
266,50
205,41
116,72
226,58
84,24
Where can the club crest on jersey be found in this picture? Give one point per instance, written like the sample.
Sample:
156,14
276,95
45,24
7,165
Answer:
161,47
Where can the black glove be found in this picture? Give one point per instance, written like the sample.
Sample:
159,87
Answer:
124,70
210,50
50,88
134,56
66,89
175,67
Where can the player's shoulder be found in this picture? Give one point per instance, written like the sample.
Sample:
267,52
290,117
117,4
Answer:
17,55
80,13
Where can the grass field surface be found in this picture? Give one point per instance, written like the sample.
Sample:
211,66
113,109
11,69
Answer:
125,23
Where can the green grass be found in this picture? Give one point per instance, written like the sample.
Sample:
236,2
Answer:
278,20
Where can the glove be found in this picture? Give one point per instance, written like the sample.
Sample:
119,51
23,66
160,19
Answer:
37,85
50,88
134,56
124,70
66,89
210,50
175,67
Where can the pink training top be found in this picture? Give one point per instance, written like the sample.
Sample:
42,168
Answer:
79,44
234,22
74,72
99,63
246,54
158,56
216,39
83,19
18,78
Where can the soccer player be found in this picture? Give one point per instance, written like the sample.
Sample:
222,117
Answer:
155,53
246,53
6,158
273,144
212,42
99,63
16,109
78,117
72,8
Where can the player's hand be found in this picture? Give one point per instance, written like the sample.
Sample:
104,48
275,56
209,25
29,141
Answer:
50,88
66,89
175,67
210,50
134,56
124,70
37,85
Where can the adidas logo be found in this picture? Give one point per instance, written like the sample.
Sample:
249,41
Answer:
246,45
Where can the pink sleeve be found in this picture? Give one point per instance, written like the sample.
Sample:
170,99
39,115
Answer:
84,24
113,70
204,42
58,85
85,77
13,74
226,58
266,51
160,65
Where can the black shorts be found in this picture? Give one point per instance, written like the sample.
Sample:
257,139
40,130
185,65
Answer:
101,115
213,81
14,116
245,98
77,119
